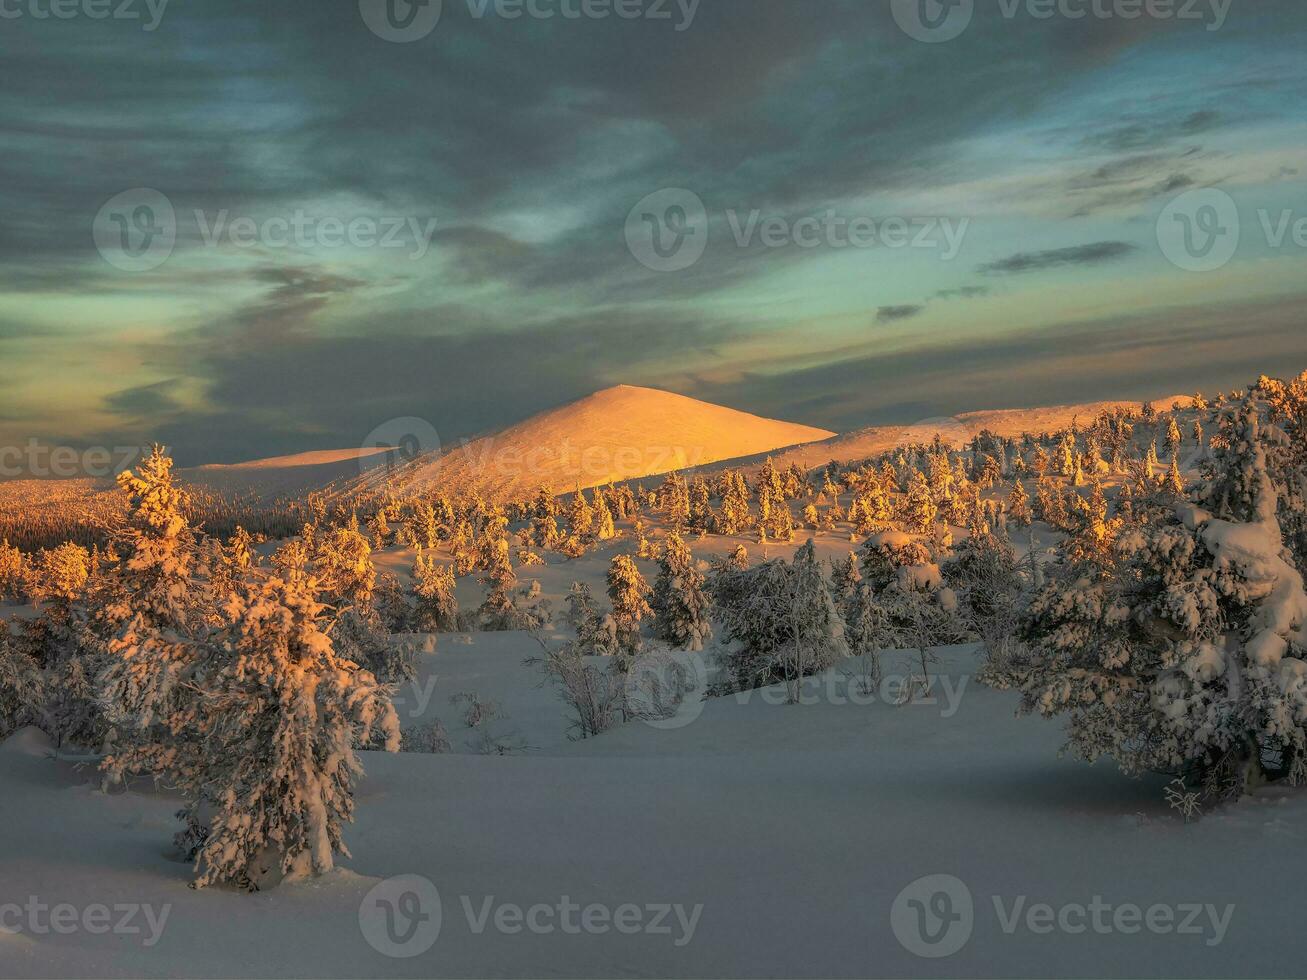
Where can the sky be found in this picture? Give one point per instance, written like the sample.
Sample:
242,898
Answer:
245,229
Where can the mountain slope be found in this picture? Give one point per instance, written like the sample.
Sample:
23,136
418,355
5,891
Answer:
282,475
956,430
620,433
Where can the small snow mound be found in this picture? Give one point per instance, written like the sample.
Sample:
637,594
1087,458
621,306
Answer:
30,741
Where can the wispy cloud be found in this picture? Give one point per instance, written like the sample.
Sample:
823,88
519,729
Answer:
1055,258
891,314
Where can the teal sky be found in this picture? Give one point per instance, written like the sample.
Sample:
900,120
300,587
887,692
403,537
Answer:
1054,149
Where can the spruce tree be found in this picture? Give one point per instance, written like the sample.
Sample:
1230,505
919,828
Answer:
151,612
269,764
679,603
629,593
433,586
22,686
11,572
1018,505
919,509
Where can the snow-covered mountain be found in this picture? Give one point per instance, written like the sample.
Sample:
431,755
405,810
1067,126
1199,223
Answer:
620,433
283,475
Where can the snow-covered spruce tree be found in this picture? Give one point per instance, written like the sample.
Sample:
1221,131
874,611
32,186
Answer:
845,577
348,581
782,617
674,500
22,687
680,605
343,566
890,555
1018,505
701,514
866,632
605,529
919,509
629,593
1173,439
11,572
433,587
779,525
580,518
151,612
1182,656
270,743
580,604
425,524
984,574
735,516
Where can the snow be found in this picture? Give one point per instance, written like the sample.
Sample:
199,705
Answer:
795,828
282,475
617,434
29,741
1254,550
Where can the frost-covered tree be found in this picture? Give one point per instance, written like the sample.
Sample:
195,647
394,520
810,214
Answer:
701,514
783,618
433,587
866,632
268,764
845,577
735,516
680,605
11,572
629,593
152,611
343,566
605,529
779,523
1173,437
985,576
919,508
1018,505
891,556
22,688
1184,654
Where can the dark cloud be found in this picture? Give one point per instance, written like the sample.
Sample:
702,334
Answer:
891,314
963,292
1054,258
1149,134
145,401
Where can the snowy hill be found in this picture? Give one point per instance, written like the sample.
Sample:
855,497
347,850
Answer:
282,475
955,430
620,433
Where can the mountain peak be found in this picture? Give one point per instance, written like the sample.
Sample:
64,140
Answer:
623,432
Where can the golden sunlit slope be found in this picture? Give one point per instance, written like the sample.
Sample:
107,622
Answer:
620,433
957,430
